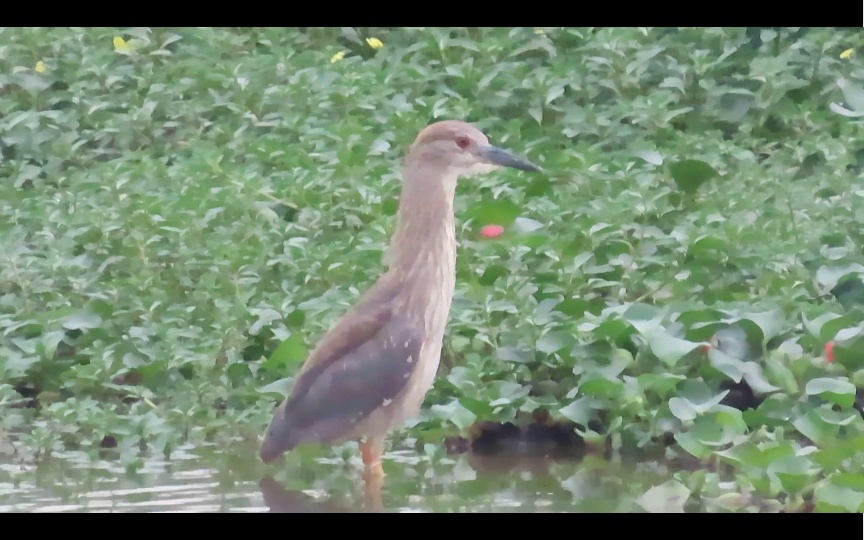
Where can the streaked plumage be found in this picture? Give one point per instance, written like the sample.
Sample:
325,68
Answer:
372,370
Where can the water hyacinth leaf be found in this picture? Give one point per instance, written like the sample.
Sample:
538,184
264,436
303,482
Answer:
756,379
50,341
733,106
682,409
729,366
667,498
602,388
281,387
456,413
554,342
711,433
619,361
814,428
815,326
766,324
730,418
554,93
843,497
492,274
291,351
834,389
853,93
494,212
580,411
670,349
667,348
780,375
848,334
512,354
690,443
700,396
839,109
82,320
690,174
837,418
645,312
524,225
793,472
663,383
829,276
651,156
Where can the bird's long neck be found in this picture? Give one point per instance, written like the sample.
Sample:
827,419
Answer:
423,248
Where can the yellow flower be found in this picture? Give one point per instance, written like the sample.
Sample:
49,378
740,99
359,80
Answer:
336,57
121,46
847,54
539,31
40,66
375,43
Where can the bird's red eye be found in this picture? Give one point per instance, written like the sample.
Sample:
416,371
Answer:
463,142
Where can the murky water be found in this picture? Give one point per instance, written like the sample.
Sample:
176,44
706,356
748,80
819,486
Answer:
216,480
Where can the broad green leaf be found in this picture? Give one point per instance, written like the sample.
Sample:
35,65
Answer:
50,341
667,498
829,276
524,225
602,388
853,93
729,366
839,109
82,320
512,354
670,349
814,428
281,387
844,497
690,443
651,156
494,212
835,389
682,409
770,323
782,376
553,342
455,412
290,351
815,326
756,379
793,473
690,174
580,411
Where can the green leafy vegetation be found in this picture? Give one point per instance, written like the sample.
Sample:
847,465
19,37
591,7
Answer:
184,211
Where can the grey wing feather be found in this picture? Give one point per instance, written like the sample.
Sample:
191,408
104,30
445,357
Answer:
349,390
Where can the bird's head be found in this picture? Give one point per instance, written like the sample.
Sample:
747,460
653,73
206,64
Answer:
463,150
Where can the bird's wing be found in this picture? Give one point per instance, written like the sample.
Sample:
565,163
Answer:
361,364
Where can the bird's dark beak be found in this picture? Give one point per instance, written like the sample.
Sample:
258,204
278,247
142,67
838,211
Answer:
505,158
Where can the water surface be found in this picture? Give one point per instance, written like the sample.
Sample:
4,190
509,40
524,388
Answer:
232,480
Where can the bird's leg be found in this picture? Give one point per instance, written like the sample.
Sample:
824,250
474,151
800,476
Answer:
372,450
373,476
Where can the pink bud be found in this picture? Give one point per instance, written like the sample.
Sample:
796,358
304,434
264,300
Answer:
492,231
829,352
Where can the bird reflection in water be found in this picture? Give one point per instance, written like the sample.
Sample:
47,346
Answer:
283,501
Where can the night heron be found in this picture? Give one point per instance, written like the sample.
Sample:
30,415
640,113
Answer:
372,370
